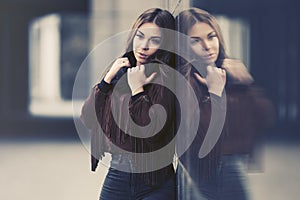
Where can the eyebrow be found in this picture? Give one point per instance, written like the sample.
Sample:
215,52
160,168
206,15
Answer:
212,33
140,32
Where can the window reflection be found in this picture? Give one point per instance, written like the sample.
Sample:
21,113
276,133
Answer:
189,186
236,33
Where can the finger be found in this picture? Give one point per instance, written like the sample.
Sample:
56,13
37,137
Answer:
224,67
151,77
227,60
125,62
209,68
128,73
142,68
121,60
221,70
223,74
226,64
134,69
200,79
212,69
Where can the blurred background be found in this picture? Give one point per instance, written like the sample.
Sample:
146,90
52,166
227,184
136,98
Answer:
43,44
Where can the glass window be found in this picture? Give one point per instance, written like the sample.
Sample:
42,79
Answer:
58,43
236,33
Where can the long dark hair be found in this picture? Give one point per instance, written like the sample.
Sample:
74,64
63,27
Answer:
164,55
163,19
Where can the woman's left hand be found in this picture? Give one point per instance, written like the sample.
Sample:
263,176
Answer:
137,79
237,70
215,80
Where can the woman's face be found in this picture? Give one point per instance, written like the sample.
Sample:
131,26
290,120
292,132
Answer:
204,42
146,42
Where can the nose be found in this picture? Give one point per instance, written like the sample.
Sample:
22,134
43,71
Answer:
145,45
205,45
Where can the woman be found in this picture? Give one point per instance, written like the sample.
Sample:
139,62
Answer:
246,111
127,86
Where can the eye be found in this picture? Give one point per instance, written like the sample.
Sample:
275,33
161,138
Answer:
139,36
212,36
194,41
156,41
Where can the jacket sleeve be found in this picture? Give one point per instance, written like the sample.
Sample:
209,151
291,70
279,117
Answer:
88,116
97,99
101,93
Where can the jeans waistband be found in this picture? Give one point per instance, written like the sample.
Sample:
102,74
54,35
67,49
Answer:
123,162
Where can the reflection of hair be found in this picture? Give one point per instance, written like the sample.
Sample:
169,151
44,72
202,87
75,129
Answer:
186,19
163,19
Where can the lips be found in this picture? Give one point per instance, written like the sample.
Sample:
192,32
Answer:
209,56
141,55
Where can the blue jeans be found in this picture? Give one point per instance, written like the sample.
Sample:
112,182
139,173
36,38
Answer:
228,185
119,185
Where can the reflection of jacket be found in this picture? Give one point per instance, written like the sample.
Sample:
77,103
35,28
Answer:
106,98
248,114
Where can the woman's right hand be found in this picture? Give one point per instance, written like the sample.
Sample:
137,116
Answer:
118,64
215,80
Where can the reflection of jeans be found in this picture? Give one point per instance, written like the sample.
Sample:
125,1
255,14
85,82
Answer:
119,185
227,185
